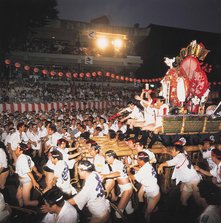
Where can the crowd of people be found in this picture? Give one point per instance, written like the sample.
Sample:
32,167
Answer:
29,91
65,156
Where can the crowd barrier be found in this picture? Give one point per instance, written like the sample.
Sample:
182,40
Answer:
76,105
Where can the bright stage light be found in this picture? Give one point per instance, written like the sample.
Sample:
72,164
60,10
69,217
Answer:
102,42
118,43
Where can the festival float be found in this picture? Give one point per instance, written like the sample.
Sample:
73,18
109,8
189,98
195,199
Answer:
186,89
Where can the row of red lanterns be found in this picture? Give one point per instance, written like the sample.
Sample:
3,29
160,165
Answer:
82,75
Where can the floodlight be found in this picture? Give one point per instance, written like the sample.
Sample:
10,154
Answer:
117,43
102,42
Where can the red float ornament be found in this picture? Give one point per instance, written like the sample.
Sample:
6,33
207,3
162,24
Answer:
122,78
126,78
131,79
138,80
117,77
26,67
7,61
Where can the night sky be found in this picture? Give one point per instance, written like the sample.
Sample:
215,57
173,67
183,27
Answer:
201,15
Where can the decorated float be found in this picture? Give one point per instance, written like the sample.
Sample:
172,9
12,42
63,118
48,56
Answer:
186,89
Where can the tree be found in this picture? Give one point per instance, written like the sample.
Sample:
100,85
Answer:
19,17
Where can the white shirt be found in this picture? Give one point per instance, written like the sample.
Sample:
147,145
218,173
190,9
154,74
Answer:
207,155
99,163
53,139
24,165
149,115
16,138
118,166
35,138
163,110
216,172
62,173
3,159
65,154
135,113
210,215
68,214
147,176
183,170
92,195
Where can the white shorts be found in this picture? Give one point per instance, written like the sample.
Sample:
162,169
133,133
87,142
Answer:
124,187
151,192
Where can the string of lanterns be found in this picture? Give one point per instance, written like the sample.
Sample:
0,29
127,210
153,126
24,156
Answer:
82,75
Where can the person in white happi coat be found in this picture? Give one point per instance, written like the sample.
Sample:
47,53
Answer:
58,210
211,193
183,173
206,153
92,194
53,137
215,173
61,173
117,170
4,169
68,158
16,138
35,140
147,177
24,167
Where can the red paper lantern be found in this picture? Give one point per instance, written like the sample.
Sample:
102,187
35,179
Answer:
146,80
122,78
94,74
219,83
88,75
138,80
117,77
60,74
142,80
52,73
81,75
36,70
75,75
112,75
214,83
126,78
7,61
17,65
150,80
68,74
108,74
27,68
45,72
131,79
135,80
99,73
